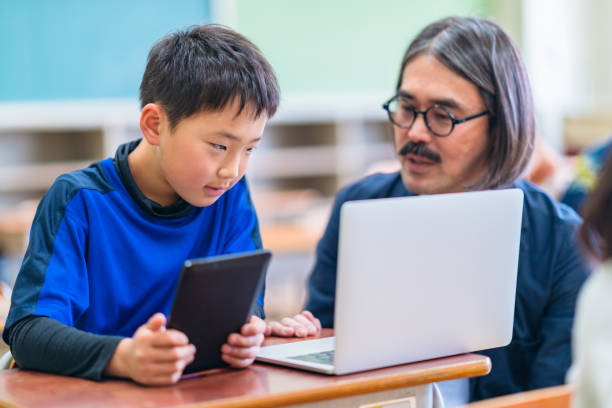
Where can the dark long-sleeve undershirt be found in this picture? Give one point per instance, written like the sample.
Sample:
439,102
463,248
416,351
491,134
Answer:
44,344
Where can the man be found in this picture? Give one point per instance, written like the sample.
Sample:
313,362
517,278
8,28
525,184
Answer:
463,120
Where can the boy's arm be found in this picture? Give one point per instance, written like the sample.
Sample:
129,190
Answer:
44,344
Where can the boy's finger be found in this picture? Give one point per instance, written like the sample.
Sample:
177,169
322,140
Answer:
236,362
240,352
237,340
156,322
255,326
169,338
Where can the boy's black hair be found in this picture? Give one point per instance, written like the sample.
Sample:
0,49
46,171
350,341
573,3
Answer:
202,69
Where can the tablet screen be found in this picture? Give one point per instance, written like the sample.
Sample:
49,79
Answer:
214,298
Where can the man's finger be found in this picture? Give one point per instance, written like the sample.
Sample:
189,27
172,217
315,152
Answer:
277,329
312,318
312,330
300,330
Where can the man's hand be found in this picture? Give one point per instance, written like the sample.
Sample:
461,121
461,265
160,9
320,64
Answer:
300,325
242,348
154,356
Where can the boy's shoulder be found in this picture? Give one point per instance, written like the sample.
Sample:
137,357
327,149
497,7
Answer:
94,178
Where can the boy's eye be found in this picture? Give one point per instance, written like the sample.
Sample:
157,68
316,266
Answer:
218,146
250,149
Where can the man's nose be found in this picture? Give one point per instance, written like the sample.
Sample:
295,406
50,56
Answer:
419,132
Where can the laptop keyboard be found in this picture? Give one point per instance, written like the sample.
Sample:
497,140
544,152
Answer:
322,357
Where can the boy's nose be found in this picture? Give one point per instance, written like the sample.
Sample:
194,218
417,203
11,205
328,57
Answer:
230,168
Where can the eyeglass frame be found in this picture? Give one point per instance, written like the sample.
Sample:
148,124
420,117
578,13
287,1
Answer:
454,120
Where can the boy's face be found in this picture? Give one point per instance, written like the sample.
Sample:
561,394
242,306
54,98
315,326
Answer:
208,152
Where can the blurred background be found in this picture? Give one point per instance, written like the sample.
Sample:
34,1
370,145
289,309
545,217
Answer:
70,72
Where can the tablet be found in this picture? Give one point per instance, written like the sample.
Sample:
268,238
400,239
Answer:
215,297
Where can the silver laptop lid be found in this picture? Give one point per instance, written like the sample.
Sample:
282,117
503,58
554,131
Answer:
426,276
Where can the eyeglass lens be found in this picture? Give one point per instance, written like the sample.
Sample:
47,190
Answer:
437,120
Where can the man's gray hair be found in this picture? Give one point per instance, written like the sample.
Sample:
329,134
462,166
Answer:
480,51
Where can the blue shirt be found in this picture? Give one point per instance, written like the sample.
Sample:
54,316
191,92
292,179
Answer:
550,273
103,258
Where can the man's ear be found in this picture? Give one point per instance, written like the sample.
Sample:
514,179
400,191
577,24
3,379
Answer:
152,117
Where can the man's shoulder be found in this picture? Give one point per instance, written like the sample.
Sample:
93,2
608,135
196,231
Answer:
379,185
540,207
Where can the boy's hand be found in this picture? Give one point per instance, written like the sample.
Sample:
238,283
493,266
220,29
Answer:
242,348
300,325
154,356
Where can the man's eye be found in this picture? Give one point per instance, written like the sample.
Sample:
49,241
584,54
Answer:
218,146
406,107
251,149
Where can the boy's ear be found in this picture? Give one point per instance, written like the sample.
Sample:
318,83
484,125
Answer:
151,119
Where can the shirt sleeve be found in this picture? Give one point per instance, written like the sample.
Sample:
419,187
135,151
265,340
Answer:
53,278
44,344
553,356
322,280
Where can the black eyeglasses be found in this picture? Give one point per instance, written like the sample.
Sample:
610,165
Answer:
437,119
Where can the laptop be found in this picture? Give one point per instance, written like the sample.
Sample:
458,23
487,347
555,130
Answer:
418,278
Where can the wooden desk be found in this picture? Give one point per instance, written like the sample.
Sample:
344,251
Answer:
260,385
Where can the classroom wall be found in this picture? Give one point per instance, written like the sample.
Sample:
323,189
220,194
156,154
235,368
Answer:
71,49
341,45
74,49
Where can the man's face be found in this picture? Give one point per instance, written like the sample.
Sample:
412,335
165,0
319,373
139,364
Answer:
208,152
441,164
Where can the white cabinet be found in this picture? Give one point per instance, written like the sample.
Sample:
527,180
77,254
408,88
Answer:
312,147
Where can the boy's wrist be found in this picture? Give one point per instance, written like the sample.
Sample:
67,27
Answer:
118,366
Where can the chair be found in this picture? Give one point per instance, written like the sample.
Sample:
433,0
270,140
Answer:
6,361
551,397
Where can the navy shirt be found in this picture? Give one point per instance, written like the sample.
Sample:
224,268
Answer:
551,271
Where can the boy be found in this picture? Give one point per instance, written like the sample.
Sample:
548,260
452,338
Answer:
107,242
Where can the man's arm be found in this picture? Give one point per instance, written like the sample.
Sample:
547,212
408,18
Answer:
322,280
553,357
321,286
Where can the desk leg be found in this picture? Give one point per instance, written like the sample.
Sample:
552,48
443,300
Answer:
421,396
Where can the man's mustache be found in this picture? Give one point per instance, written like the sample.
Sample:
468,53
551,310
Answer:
419,149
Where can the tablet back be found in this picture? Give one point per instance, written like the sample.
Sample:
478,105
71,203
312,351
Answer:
214,298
